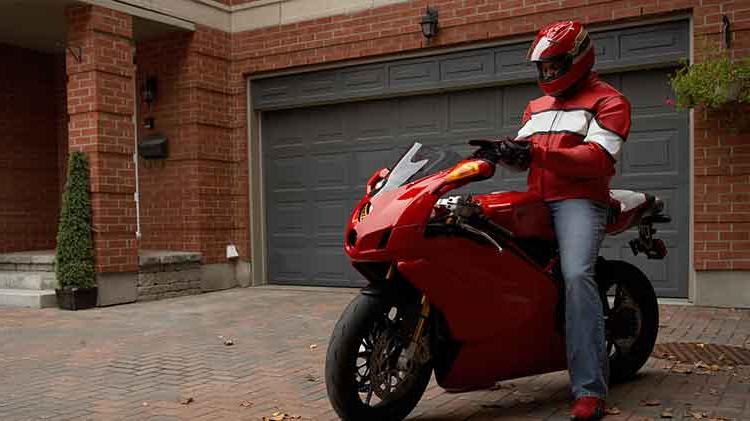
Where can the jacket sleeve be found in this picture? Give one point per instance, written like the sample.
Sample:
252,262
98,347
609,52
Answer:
600,149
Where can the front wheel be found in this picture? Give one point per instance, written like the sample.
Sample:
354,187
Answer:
632,320
369,373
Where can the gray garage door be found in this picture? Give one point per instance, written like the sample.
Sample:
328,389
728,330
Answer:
317,157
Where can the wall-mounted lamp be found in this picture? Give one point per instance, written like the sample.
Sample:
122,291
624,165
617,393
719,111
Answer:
149,90
726,30
429,22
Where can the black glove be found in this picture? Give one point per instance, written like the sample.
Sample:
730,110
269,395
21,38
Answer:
514,153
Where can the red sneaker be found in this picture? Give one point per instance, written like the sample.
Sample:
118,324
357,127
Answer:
588,409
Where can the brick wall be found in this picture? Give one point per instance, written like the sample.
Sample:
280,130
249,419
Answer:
100,105
29,179
196,200
722,208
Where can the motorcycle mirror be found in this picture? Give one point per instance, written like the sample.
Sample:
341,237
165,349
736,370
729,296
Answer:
376,177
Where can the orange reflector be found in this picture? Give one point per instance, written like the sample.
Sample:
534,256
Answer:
464,170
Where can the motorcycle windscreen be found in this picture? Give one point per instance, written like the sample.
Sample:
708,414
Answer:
417,162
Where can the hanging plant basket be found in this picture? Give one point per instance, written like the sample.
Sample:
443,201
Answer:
715,83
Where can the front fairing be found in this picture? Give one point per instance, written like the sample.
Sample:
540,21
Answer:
406,207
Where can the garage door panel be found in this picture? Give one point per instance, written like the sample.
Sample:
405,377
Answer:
288,173
474,65
663,40
289,219
650,152
515,99
324,125
511,62
330,264
421,116
473,111
648,92
364,79
330,216
367,162
290,265
331,171
370,121
413,74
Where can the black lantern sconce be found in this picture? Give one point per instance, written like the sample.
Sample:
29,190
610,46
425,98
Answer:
149,90
148,95
429,22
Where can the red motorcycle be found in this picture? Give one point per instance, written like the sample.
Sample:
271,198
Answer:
470,287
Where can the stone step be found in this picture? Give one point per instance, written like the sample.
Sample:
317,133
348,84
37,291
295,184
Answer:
28,280
27,298
37,261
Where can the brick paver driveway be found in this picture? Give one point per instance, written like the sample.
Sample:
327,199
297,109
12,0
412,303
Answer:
168,360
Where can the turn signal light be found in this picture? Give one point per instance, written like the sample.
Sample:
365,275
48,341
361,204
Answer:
468,169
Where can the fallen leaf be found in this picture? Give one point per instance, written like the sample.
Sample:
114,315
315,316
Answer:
713,392
613,411
683,370
311,377
667,413
280,416
701,364
228,342
650,402
701,345
313,346
187,401
246,404
697,415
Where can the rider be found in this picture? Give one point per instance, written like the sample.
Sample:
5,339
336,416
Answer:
571,140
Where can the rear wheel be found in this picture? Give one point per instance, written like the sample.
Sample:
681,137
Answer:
632,318
369,374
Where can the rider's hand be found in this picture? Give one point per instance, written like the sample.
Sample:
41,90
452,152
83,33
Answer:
515,153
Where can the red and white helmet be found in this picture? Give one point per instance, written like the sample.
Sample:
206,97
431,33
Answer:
568,44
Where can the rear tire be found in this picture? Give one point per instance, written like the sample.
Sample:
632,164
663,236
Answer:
632,321
344,379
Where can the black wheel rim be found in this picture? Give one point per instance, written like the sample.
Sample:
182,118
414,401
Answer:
379,377
624,320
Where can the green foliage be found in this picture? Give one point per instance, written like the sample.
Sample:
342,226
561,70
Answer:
74,257
713,83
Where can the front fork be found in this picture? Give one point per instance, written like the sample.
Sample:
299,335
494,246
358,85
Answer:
407,354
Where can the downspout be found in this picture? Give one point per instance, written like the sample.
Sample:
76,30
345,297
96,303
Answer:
137,194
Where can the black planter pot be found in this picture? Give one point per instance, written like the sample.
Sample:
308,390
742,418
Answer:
76,298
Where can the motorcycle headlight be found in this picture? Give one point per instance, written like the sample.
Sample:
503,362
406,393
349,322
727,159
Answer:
365,210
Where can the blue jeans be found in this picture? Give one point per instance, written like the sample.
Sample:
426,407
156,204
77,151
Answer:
579,226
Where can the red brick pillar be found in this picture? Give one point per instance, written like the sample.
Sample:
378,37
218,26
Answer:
99,62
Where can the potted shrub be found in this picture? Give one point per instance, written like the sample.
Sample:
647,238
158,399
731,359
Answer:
74,256
714,83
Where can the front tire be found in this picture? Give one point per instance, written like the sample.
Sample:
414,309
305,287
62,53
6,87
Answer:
632,320
362,361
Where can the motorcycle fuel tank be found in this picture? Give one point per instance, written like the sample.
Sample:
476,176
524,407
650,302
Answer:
522,213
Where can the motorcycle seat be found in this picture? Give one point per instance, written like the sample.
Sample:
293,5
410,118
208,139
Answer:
628,208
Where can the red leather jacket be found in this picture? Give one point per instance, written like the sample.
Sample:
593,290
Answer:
576,141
